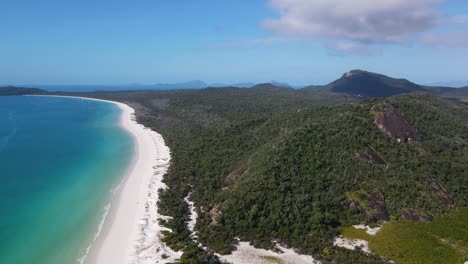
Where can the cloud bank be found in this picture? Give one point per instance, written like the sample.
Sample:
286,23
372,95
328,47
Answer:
356,26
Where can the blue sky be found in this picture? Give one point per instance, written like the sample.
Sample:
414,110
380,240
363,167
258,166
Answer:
294,41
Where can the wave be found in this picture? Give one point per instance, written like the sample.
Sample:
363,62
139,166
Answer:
82,259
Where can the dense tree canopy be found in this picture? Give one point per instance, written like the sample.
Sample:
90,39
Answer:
293,166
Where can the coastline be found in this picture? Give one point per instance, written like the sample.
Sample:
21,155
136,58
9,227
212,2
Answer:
129,231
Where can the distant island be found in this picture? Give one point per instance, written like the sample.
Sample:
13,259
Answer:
12,90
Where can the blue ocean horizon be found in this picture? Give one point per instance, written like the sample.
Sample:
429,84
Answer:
59,160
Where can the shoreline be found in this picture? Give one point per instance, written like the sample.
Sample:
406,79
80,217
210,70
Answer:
129,231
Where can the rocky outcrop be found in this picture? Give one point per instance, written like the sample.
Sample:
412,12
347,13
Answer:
368,155
389,120
378,207
416,215
372,205
439,191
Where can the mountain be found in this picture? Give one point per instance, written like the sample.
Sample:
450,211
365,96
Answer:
12,90
361,83
247,84
196,84
270,86
244,85
138,86
280,84
364,84
239,85
201,84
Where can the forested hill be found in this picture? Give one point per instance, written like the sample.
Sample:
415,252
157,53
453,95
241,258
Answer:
339,168
294,166
12,90
364,84
367,84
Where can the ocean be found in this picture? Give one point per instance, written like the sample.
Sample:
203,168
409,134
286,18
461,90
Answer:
60,159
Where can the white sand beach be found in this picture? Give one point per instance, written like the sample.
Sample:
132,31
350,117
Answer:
130,232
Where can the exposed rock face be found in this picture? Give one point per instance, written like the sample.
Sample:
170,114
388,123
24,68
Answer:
378,207
416,215
439,191
368,155
389,120
370,204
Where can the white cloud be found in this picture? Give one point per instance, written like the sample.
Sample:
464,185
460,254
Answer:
358,20
359,27
446,40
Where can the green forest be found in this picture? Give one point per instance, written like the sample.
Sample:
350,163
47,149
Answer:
296,166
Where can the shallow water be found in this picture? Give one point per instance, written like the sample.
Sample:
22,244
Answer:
59,160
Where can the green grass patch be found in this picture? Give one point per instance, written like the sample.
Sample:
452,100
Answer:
445,240
354,233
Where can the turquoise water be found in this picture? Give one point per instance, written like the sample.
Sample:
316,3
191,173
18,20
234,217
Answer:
59,159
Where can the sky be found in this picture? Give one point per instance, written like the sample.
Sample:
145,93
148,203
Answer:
300,42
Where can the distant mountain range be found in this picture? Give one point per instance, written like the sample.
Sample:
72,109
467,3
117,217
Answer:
195,84
355,83
454,84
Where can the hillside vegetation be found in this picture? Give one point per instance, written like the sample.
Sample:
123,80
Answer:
363,84
300,188
444,240
293,166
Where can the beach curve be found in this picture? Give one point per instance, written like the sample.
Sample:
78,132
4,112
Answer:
130,232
